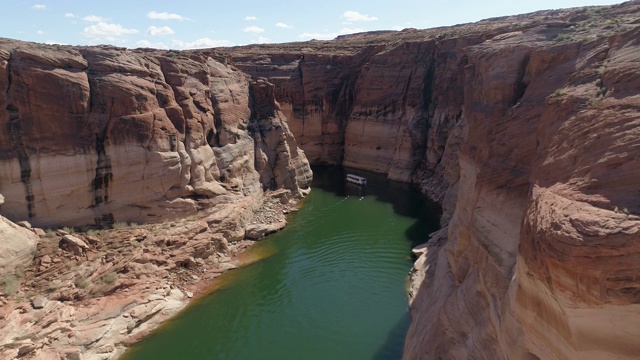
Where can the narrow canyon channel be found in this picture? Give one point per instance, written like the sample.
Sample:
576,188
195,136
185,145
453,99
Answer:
331,285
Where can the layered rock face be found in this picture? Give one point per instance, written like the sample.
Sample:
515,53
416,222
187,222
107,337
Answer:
543,241
527,130
102,134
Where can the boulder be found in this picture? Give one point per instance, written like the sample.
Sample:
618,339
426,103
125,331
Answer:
45,260
221,244
39,302
73,244
17,245
24,224
92,240
74,354
186,262
25,350
259,231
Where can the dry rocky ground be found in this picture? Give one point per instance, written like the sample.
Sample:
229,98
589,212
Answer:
90,293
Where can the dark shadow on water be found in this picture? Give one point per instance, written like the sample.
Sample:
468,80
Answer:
405,199
394,346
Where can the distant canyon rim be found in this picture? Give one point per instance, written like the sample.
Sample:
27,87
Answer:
163,165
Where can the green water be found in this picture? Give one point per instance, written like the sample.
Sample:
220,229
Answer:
333,287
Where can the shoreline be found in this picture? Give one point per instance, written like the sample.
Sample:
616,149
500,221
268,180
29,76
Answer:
139,277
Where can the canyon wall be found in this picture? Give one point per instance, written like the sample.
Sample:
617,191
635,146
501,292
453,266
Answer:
527,130
97,135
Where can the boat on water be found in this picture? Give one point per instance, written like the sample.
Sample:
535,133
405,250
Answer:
355,179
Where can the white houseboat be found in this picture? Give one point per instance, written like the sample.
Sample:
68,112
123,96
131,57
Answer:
355,179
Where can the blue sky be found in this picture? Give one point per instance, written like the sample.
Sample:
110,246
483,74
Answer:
184,24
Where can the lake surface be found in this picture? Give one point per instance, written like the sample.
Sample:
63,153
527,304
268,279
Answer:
332,285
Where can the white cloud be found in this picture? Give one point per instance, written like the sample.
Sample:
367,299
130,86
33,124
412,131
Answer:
107,32
284,26
253,29
149,44
53,42
39,7
40,32
262,40
352,16
200,43
165,16
94,18
250,18
159,31
69,15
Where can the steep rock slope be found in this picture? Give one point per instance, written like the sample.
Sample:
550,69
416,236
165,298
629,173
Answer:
542,245
526,129
104,134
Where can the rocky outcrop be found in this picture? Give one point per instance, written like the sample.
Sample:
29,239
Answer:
525,128
104,137
17,246
95,293
97,135
545,226
278,159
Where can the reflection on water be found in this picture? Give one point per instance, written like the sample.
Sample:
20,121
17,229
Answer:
333,287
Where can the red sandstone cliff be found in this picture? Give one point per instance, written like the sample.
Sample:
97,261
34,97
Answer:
527,128
103,134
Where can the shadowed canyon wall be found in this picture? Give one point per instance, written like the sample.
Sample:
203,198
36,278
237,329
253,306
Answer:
102,134
527,129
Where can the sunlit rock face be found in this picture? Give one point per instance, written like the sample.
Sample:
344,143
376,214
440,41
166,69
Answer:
543,239
527,130
95,135
17,245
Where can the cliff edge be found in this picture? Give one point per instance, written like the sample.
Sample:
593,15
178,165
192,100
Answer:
159,166
98,135
526,129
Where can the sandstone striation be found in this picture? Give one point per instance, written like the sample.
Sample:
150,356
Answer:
526,129
100,138
100,135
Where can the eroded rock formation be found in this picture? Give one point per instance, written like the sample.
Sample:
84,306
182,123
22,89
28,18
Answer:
103,134
105,137
526,128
